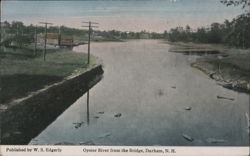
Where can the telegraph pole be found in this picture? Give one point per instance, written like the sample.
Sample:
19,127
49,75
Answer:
45,38
90,26
35,41
59,36
18,36
17,29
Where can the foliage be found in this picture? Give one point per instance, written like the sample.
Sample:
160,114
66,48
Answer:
17,32
234,33
244,3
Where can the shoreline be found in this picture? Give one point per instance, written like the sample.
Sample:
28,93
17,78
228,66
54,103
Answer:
33,92
239,81
42,107
229,67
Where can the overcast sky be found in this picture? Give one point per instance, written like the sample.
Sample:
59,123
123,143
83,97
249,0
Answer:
125,15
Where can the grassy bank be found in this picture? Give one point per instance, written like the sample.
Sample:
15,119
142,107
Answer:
230,67
22,72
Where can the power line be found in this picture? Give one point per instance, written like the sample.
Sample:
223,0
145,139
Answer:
35,50
90,26
45,38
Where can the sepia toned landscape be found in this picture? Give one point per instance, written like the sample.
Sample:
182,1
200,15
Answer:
125,73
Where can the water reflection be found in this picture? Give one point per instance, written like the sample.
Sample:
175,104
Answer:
142,100
88,107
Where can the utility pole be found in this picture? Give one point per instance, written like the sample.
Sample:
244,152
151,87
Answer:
35,41
45,38
59,36
2,34
18,36
90,26
17,29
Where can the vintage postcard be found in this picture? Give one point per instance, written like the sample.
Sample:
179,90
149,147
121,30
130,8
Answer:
125,77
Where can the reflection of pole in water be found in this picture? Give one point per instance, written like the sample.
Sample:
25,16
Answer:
88,107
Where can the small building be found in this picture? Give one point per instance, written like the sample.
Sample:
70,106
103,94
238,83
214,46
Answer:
52,38
66,40
56,39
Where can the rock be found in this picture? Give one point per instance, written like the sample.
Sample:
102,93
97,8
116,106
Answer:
188,108
226,98
3,107
78,124
214,76
187,137
118,115
105,135
160,92
215,141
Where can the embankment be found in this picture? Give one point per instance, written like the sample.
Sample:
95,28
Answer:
23,119
226,74
230,67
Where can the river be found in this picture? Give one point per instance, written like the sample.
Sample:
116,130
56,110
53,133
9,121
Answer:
150,96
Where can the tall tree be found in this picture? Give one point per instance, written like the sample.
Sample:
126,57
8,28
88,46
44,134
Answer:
244,3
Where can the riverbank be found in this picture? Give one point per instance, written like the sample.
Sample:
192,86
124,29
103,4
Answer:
22,72
35,92
230,67
25,118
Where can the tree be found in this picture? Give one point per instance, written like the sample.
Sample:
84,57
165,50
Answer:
239,29
201,35
244,3
215,35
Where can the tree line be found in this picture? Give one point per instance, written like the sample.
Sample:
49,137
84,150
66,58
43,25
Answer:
21,34
18,32
233,33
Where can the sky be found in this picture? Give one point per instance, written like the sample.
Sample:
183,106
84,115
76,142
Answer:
124,15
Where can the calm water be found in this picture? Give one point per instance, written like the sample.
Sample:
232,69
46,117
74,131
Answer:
151,88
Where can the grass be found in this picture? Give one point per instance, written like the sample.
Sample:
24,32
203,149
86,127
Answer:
21,72
240,60
230,67
236,57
